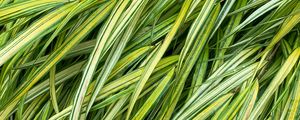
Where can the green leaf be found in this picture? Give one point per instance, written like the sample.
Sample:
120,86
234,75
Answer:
79,34
213,107
154,96
157,56
115,54
37,30
277,80
25,8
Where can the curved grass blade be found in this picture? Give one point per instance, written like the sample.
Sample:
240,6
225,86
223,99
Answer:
123,82
95,56
154,96
223,13
115,55
222,88
213,107
25,8
257,13
197,38
112,114
235,105
52,89
234,22
157,56
80,49
277,80
248,6
295,97
201,69
249,103
98,16
38,29
80,7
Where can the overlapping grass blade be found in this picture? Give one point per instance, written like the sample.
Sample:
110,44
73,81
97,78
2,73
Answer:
115,55
61,51
157,56
277,80
149,59
39,29
26,8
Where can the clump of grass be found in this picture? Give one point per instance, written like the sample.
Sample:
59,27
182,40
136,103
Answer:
149,59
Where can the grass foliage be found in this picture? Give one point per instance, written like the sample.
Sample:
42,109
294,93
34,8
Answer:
150,59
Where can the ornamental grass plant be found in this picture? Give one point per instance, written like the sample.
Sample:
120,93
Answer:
149,59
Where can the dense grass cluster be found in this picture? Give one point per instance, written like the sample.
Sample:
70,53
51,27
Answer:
149,59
